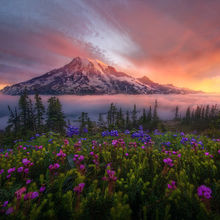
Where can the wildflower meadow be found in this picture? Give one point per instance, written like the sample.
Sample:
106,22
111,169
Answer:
111,175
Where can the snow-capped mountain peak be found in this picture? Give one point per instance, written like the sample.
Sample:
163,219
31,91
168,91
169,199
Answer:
84,76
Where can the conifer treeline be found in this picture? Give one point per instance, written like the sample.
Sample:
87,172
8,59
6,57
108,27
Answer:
202,117
130,120
32,117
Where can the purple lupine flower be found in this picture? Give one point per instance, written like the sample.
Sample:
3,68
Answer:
127,132
9,211
179,155
34,195
126,154
219,151
8,176
1,171
204,191
72,131
78,189
5,204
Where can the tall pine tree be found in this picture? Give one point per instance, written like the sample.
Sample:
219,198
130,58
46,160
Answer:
55,116
134,117
39,112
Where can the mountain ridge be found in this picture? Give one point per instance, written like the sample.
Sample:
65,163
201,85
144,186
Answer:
84,76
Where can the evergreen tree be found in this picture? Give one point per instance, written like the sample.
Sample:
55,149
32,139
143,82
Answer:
203,113
90,125
120,122
101,122
134,117
83,121
55,116
128,121
207,112
193,115
111,116
39,112
149,115
23,104
143,119
213,112
188,115
155,116
176,113
197,113
26,114
13,121
30,117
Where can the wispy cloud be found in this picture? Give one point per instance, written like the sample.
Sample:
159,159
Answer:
170,41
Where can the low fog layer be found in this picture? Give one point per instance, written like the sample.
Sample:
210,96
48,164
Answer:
74,105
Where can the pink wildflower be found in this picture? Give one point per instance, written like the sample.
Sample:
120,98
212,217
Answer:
172,185
78,189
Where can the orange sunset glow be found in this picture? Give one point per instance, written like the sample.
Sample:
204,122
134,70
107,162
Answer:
171,42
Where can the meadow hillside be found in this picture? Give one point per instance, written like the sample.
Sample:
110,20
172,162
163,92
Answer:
111,175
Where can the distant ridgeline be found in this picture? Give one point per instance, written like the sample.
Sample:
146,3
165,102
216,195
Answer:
91,77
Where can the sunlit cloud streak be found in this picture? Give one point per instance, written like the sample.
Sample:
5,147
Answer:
172,41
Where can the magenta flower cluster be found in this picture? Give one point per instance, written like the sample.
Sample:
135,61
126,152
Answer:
54,167
96,157
61,154
78,189
78,159
10,171
204,192
111,176
168,161
208,154
172,185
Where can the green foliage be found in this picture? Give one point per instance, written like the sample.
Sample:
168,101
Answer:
140,190
55,116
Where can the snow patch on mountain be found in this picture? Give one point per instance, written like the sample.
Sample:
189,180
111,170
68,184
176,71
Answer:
84,76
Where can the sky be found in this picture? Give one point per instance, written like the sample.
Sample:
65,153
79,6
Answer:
170,41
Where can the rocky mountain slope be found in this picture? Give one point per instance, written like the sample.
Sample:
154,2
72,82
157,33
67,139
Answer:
90,77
